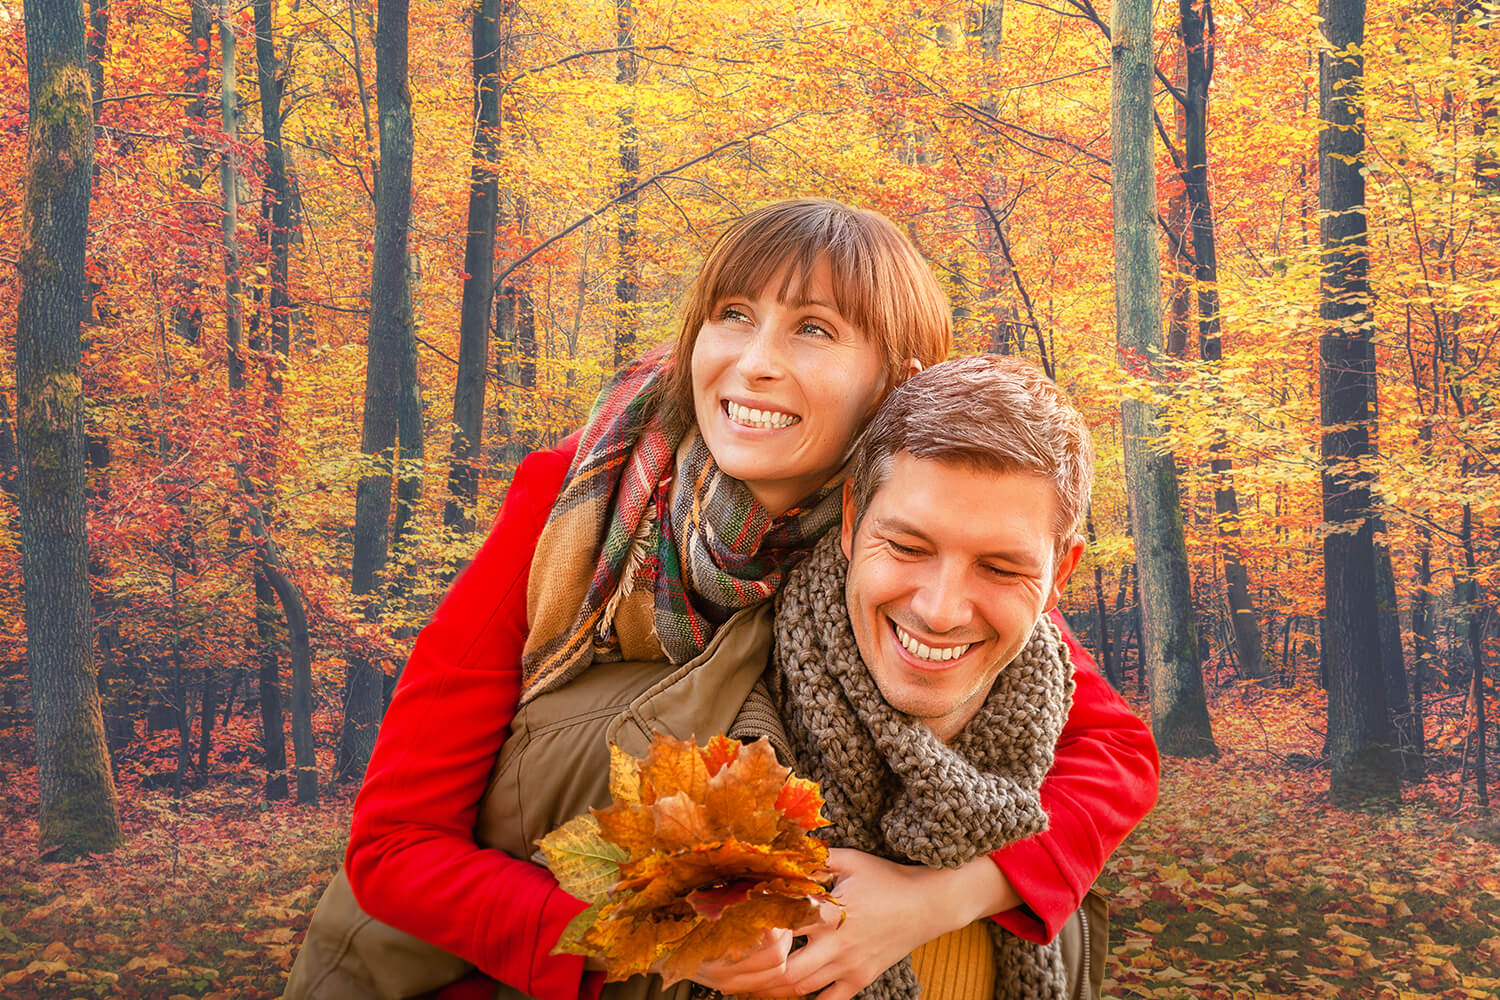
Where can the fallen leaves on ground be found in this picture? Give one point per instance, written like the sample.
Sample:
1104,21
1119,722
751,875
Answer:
1246,884
1243,884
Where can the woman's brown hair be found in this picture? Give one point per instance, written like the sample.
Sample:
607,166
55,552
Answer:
881,284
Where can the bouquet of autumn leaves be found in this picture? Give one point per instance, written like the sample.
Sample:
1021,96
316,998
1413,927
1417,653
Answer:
702,850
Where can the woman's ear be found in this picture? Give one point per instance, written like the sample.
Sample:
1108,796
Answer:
913,365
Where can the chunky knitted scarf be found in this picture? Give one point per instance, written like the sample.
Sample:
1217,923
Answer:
717,551
890,787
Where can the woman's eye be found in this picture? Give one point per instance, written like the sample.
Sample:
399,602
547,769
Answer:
811,329
734,314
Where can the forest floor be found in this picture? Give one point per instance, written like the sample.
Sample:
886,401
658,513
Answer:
1244,883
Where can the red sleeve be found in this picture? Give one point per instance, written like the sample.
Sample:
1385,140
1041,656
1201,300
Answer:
412,860
1102,783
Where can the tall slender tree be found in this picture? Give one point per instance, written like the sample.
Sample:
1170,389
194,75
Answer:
1360,739
1179,710
388,296
79,812
627,276
490,26
1197,30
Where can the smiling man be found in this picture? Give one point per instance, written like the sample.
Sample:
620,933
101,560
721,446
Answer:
923,682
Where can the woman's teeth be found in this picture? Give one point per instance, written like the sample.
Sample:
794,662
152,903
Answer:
924,652
758,418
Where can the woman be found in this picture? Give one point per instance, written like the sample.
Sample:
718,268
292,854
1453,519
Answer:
702,476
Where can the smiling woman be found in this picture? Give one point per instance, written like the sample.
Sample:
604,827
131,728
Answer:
782,385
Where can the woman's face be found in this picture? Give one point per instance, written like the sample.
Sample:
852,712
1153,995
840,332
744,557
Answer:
781,388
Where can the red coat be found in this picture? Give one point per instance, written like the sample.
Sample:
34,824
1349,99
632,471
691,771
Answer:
412,860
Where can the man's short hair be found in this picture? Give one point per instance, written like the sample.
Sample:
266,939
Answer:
991,412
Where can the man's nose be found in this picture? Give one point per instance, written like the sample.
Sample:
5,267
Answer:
761,357
941,599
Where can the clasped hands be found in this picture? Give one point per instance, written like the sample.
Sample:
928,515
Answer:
886,910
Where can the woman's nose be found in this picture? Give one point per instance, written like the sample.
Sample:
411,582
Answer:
761,357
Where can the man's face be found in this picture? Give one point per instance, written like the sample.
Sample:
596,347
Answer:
949,571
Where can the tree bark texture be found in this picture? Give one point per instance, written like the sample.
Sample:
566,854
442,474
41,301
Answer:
388,277
296,621
1393,664
79,812
1360,740
479,270
627,275
229,192
1170,643
1198,47
271,713
278,194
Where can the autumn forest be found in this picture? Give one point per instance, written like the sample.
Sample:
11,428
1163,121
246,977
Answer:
290,287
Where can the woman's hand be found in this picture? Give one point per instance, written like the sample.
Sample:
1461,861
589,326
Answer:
889,910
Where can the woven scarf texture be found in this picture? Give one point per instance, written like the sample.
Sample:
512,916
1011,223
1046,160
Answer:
717,551
893,789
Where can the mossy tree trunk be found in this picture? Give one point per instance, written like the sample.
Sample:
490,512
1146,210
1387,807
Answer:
79,811
1169,635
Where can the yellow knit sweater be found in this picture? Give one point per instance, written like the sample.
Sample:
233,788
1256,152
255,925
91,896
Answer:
959,965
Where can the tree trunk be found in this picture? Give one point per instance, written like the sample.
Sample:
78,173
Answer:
627,277
1104,645
1198,47
271,715
1476,658
229,192
1393,665
1178,707
296,622
277,195
1423,639
388,277
187,317
79,812
1364,766
410,417
479,270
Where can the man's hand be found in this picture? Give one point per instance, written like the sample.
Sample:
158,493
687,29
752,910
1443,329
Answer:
889,910
761,972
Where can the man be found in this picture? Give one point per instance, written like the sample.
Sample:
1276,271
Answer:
924,685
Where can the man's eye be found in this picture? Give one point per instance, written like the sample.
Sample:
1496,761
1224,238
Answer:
903,550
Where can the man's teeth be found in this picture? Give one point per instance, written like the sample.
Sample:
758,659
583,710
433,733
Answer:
924,652
758,418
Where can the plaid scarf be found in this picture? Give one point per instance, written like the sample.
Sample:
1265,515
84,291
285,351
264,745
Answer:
717,551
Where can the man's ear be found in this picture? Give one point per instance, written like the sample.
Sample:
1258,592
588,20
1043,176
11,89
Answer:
846,531
1067,562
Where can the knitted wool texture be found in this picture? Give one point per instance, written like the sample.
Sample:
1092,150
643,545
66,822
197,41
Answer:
893,789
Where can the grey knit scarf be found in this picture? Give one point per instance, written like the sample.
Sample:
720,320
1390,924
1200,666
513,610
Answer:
890,787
